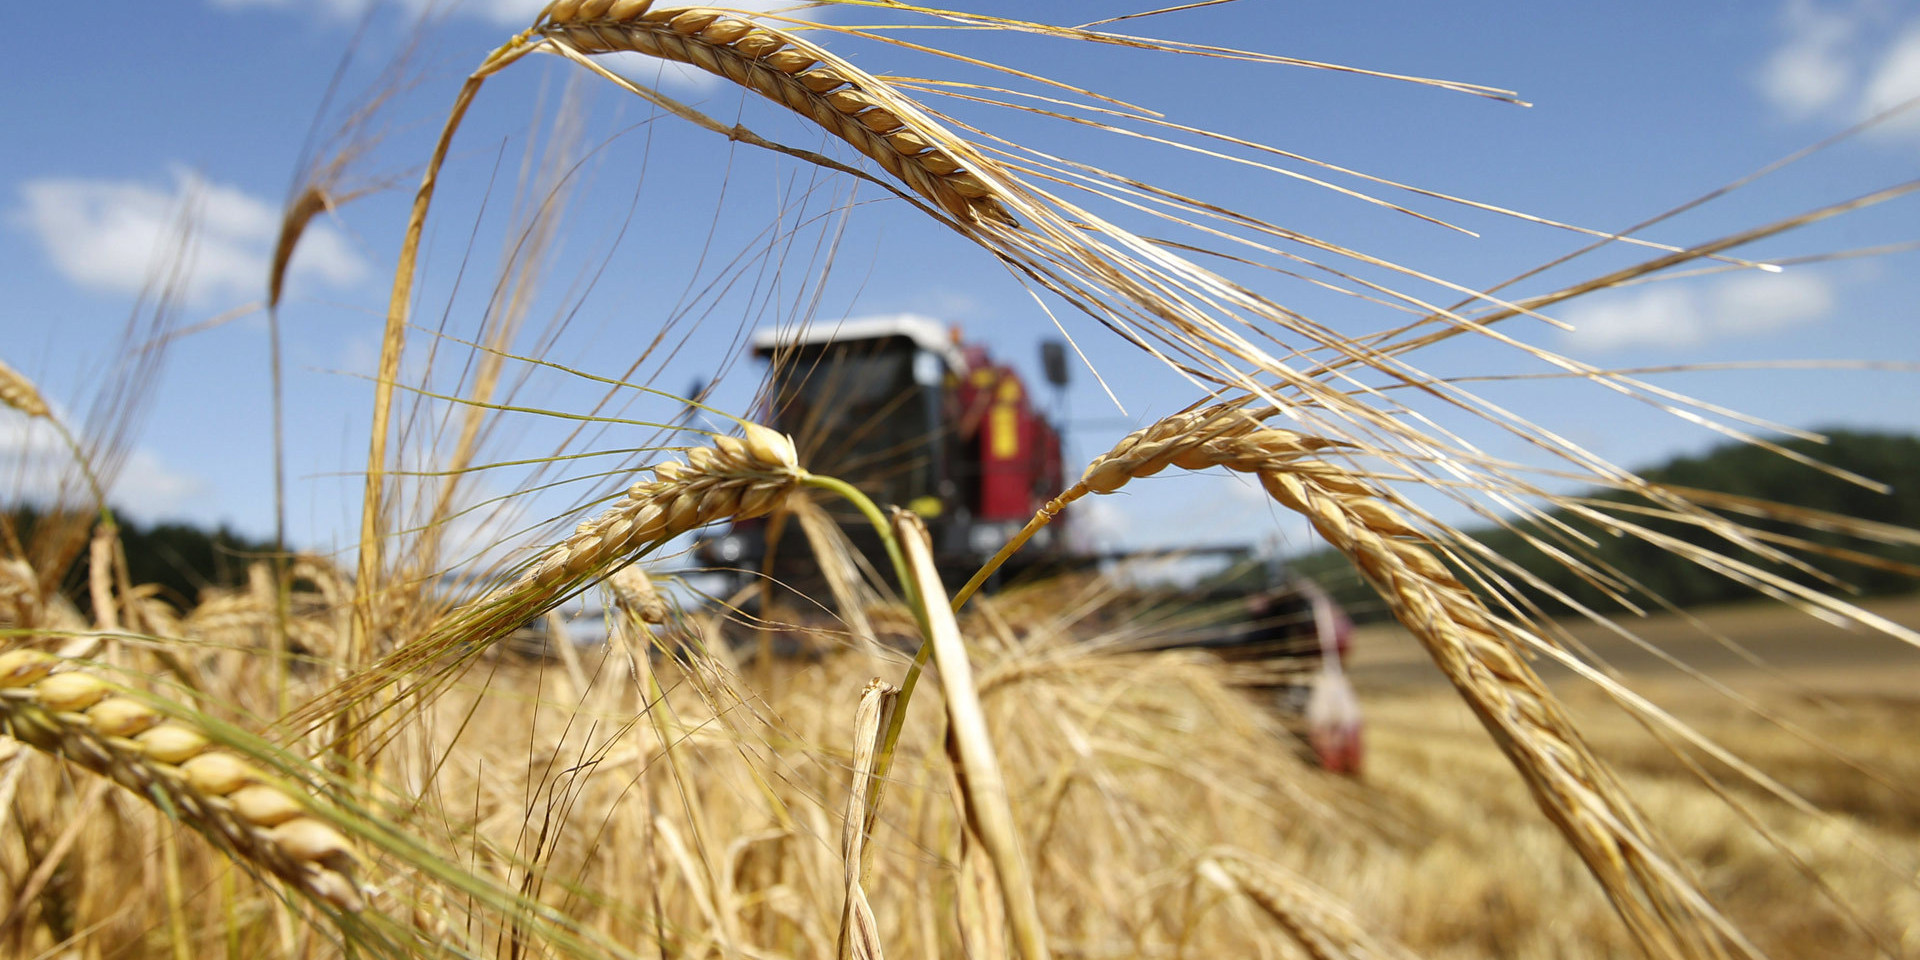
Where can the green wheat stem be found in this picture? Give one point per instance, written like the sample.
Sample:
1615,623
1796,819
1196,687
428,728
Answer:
883,761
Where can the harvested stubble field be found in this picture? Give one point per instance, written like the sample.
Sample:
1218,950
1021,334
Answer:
343,758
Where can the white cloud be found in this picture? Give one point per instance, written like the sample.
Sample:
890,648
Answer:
1763,302
1661,315
150,490
1812,70
1895,81
1098,523
1844,63
1669,316
111,235
37,464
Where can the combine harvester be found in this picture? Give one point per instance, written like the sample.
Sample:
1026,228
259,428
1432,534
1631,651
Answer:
907,411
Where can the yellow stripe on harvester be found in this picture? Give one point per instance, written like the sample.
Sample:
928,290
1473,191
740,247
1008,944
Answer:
1005,427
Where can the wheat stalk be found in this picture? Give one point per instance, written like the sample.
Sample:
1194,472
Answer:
178,767
1478,653
982,788
859,930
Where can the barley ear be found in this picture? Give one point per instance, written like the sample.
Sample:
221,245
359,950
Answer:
634,590
728,482
1319,923
847,102
1478,653
170,762
18,392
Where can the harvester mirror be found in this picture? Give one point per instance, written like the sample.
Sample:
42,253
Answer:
696,394
1053,359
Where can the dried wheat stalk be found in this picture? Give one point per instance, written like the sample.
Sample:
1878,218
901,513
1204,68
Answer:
859,930
179,768
982,788
1478,652
843,99
18,392
1321,925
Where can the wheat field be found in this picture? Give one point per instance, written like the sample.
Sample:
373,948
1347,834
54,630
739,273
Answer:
358,752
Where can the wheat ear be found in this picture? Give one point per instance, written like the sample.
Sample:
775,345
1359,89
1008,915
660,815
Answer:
1480,656
843,99
18,392
1315,919
737,478
634,590
1477,651
179,768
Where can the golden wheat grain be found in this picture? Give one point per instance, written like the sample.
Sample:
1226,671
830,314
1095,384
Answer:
843,99
178,767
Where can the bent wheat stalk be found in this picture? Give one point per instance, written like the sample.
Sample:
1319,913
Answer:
737,478
982,791
179,768
1477,652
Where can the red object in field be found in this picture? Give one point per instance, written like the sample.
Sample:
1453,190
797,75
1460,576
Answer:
1015,451
1333,724
1333,712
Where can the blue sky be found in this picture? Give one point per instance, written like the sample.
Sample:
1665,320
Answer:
1635,110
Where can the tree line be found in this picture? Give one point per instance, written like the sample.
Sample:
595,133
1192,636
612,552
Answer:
1834,561
182,559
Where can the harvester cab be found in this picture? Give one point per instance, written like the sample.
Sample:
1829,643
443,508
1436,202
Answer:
903,409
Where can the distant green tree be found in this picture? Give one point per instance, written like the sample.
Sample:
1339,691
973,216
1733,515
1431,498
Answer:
180,558
1739,469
